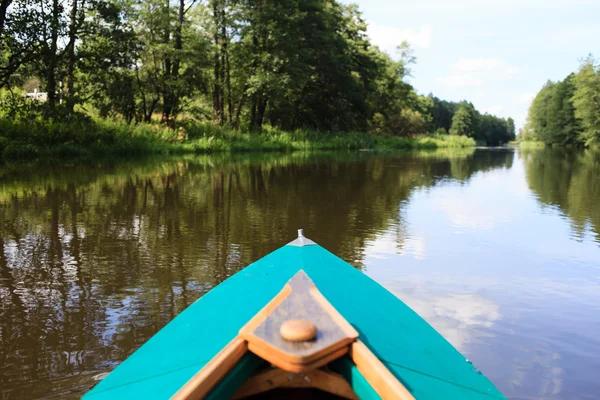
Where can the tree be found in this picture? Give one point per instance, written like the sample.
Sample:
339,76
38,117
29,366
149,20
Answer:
552,115
463,121
586,100
109,57
442,113
510,129
408,123
21,27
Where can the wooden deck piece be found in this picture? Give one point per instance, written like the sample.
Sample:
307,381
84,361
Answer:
299,299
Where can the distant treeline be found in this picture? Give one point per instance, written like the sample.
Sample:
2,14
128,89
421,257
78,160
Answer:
292,64
463,119
567,112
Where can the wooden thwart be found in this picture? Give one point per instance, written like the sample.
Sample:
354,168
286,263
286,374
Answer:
297,363
277,378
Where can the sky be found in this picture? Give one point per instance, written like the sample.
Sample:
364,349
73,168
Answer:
495,53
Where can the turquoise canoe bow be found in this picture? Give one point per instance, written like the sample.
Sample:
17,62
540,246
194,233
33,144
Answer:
195,344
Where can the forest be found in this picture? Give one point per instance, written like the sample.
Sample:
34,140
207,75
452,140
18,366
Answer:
188,75
567,112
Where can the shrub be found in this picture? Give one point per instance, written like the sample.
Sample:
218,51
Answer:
3,143
19,152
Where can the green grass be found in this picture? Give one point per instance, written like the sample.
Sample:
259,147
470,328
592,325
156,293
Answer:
531,144
208,138
89,138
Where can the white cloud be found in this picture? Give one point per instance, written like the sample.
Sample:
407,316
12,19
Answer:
388,37
391,243
520,105
471,210
475,72
524,98
461,318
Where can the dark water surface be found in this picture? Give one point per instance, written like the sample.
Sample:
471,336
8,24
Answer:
499,250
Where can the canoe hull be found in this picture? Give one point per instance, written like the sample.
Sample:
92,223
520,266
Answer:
409,347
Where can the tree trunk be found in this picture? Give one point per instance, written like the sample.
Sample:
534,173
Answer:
217,115
243,97
262,107
167,90
3,8
238,111
173,100
297,105
226,66
70,89
150,111
142,93
52,56
253,112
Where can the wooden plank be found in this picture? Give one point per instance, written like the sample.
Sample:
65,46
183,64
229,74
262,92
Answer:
263,382
297,368
276,378
204,381
379,377
299,300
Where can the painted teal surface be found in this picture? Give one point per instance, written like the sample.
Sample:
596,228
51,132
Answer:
234,379
427,364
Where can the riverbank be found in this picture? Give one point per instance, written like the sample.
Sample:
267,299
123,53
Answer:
530,144
26,140
538,144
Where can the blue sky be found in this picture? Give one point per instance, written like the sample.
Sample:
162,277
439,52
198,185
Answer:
494,53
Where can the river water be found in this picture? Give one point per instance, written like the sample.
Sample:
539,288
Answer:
498,249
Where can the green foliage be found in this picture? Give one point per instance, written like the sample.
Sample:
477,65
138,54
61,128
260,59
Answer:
586,100
567,112
102,137
510,129
19,152
3,143
531,144
463,121
552,116
294,65
407,123
442,113
493,131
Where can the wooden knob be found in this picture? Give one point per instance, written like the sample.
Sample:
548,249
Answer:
298,330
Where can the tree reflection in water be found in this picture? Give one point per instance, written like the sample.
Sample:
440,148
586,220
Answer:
569,181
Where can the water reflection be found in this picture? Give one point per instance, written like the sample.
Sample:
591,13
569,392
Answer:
570,181
93,261
502,279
